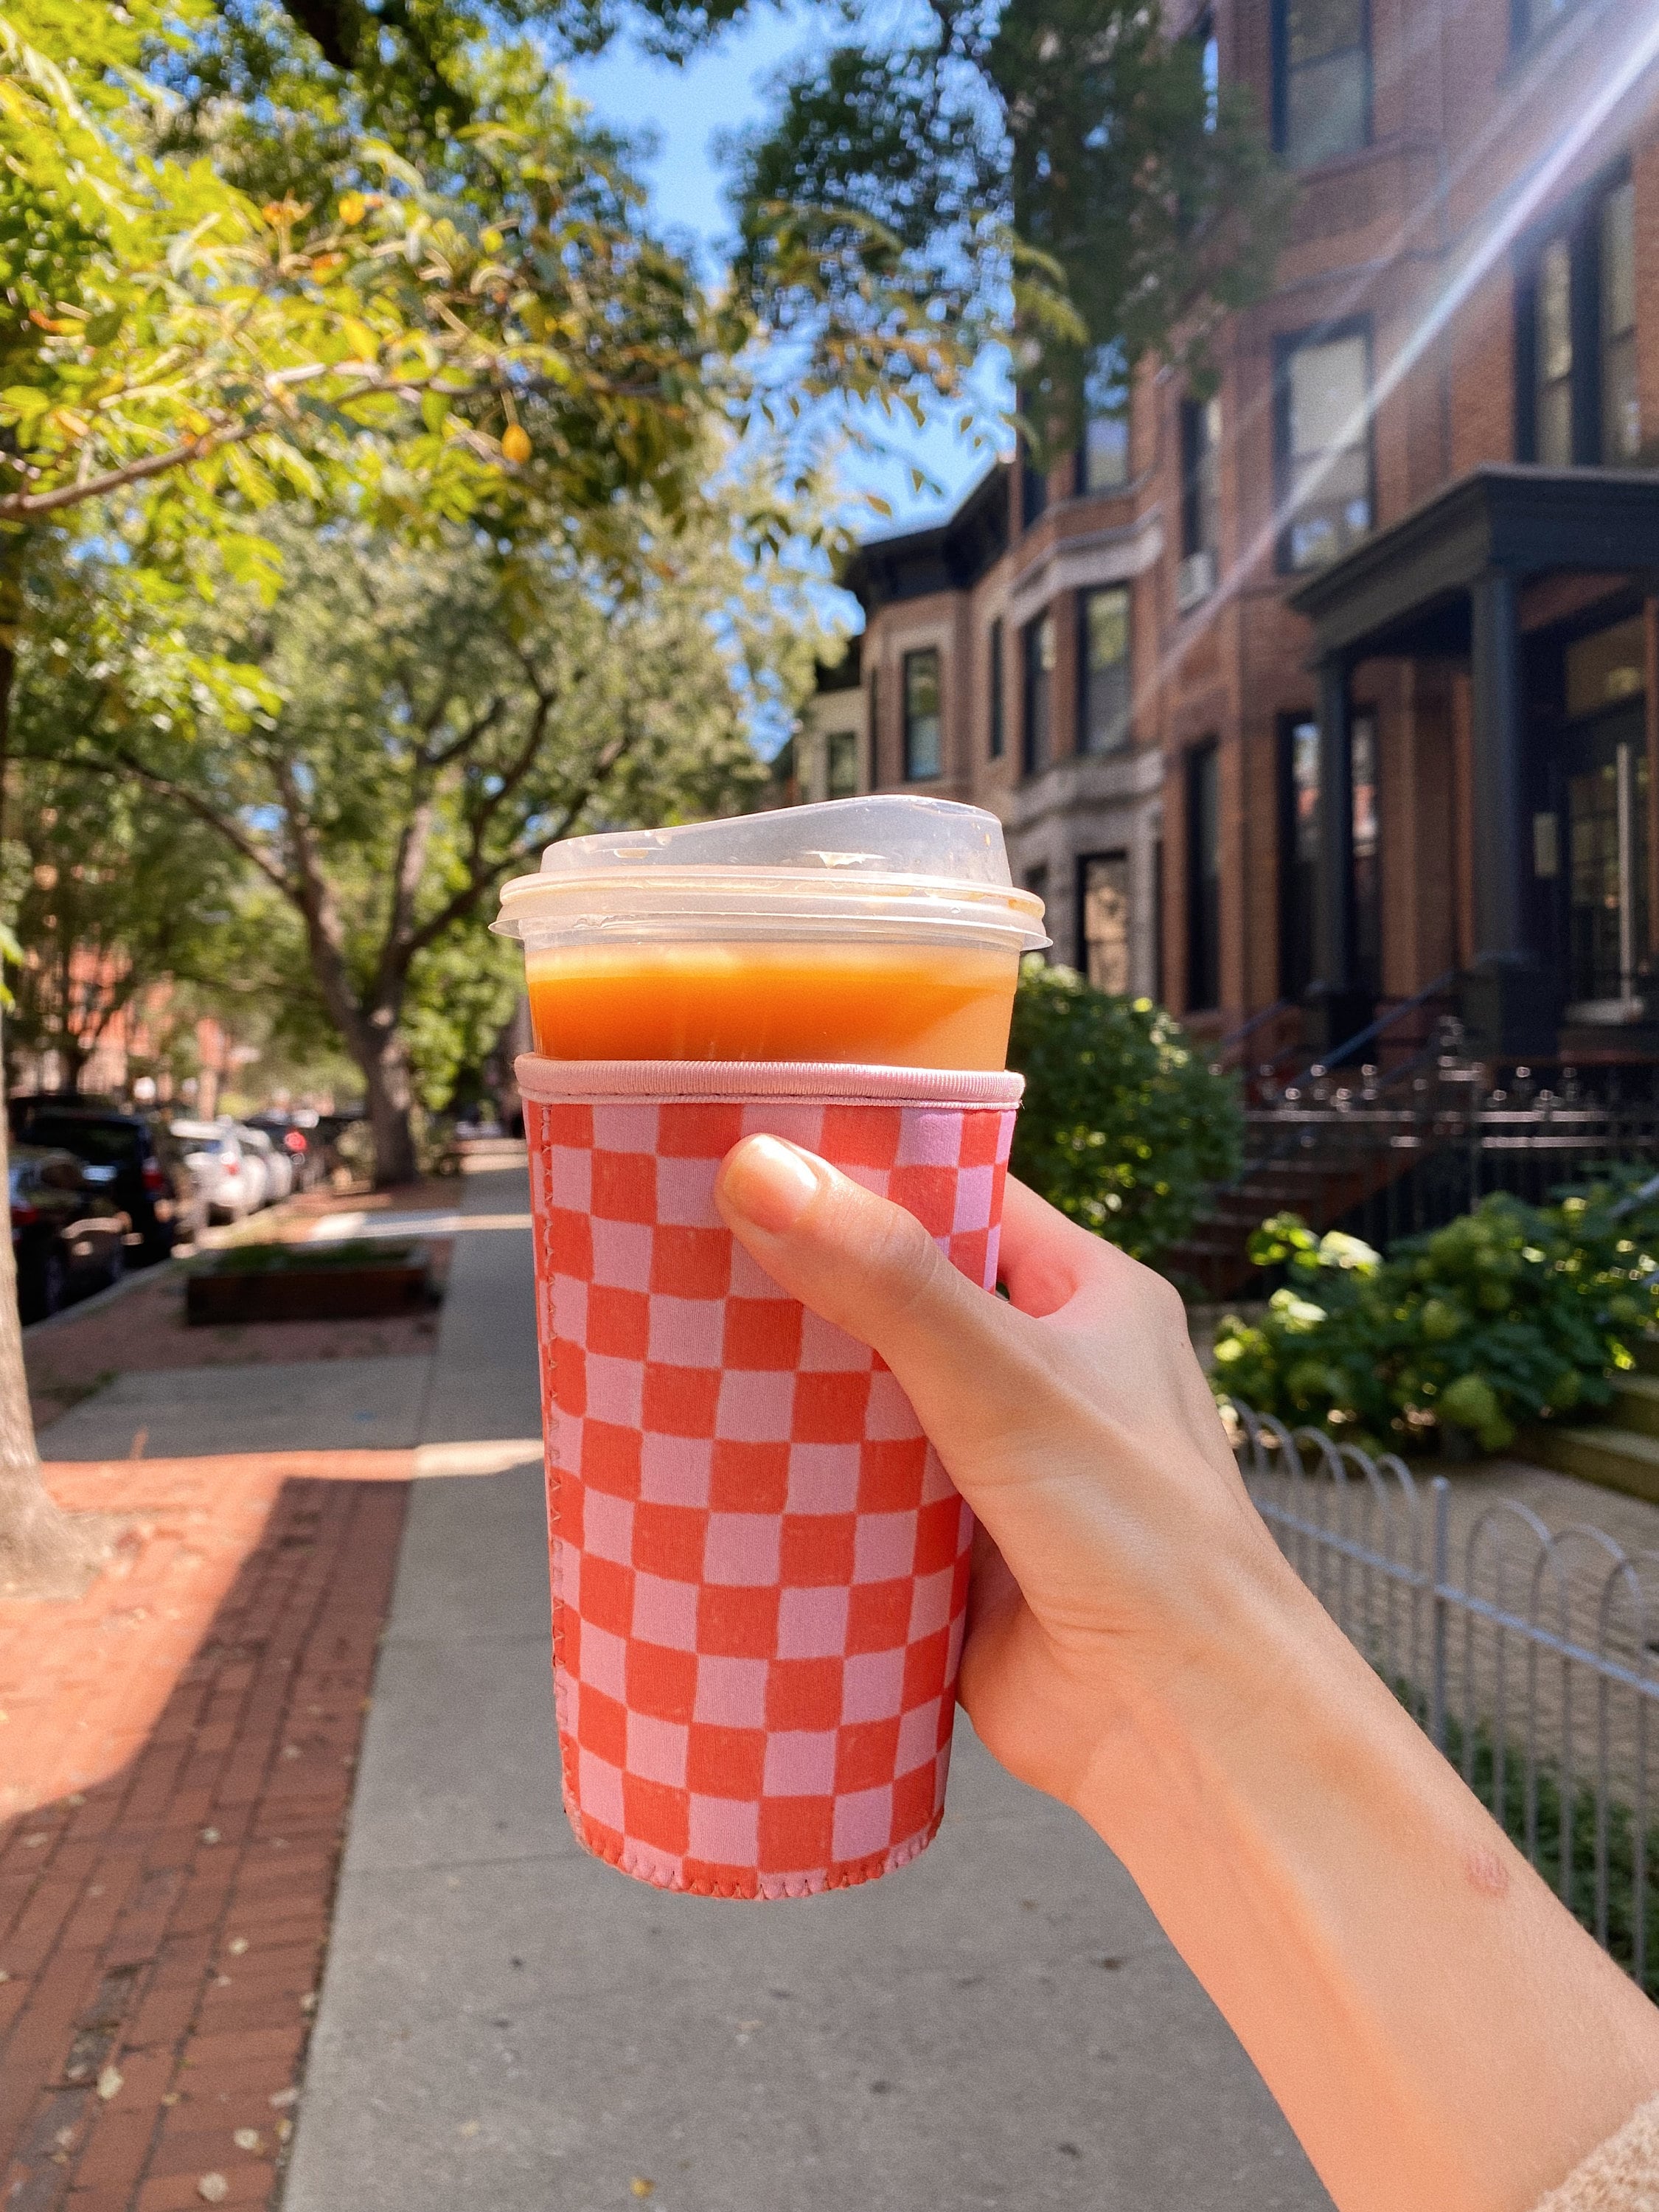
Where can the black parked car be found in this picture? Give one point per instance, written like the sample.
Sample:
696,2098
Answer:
150,1184
68,1234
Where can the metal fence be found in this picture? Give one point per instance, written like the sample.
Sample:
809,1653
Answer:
1527,1657
1388,1158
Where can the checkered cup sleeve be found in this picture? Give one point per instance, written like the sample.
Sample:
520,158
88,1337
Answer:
759,1566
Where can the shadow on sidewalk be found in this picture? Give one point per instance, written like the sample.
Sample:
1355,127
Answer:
181,1743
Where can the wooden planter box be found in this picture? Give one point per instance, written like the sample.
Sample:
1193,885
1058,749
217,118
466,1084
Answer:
364,1281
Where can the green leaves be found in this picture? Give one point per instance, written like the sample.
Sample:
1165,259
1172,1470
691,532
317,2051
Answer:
1055,173
1511,1313
1124,1126
382,325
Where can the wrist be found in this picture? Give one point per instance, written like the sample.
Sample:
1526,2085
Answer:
1252,1670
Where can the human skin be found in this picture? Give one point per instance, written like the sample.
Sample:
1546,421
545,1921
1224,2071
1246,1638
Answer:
1438,2030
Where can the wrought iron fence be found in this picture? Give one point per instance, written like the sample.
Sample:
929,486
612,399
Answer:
1387,1154
1527,1656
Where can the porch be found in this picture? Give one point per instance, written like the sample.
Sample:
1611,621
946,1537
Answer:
1540,589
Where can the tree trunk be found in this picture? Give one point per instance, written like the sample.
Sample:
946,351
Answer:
391,1104
42,1552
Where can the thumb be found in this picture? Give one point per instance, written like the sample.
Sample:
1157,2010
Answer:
966,1360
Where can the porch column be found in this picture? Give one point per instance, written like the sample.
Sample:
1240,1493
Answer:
1510,1000
1499,781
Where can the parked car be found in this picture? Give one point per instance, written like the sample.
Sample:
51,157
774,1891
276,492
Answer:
278,1167
301,1136
68,1234
150,1184
230,1176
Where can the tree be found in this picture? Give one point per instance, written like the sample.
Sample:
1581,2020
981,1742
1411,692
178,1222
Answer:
413,723
1057,172
478,330
1125,1125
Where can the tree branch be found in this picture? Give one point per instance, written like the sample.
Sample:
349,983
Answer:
482,874
122,763
23,506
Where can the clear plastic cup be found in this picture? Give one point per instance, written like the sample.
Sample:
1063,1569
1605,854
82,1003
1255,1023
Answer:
881,931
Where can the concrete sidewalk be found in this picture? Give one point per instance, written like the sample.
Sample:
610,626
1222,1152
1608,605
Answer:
507,2023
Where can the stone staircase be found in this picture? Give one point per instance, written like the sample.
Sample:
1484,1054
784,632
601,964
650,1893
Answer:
1619,1453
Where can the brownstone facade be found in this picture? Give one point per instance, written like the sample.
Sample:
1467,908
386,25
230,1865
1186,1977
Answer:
1408,556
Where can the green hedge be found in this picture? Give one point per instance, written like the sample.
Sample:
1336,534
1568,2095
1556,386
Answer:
1125,1124
1513,1313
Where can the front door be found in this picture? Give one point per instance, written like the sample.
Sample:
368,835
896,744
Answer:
1601,870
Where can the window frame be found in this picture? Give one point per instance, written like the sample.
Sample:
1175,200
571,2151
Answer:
1115,853
1577,227
1200,456
1037,760
1122,415
996,735
1286,346
909,718
1204,949
846,742
1283,72
1124,732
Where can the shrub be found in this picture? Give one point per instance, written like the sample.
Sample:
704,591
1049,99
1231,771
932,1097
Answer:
1513,1313
1125,1123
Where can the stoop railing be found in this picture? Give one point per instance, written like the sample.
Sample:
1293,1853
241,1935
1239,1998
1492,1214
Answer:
1527,1657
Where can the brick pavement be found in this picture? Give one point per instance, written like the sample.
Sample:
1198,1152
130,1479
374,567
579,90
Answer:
178,1754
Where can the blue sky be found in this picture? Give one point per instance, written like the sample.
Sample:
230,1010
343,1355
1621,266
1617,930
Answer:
683,111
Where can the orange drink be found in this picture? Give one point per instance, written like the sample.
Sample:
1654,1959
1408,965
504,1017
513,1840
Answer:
888,1006
880,932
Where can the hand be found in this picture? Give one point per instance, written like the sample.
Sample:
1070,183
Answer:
1437,2028
1116,1537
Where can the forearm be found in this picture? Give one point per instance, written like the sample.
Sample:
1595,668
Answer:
1437,2030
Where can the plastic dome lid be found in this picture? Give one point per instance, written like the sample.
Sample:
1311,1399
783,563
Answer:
890,866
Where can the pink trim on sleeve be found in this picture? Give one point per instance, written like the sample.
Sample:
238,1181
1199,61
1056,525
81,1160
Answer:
715,1082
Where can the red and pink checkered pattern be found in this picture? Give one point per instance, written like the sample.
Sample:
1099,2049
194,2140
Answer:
760,1568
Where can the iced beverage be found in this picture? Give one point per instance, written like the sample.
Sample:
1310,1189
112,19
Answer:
759,1565
887,1005
871,931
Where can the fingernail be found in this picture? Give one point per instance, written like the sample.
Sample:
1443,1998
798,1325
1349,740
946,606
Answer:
770,1182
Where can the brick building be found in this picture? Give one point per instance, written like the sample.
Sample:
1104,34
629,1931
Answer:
1345,682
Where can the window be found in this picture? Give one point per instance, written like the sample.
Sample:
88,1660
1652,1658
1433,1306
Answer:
1040,656
875,726
1103,918
1621,403
1324,440
1033,490
998,728
1103,462
922,759
842,776
1321,79
1200,453
1203,878
1367,858
1104,687
1209,64
1555,355
1298,846
1580,402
